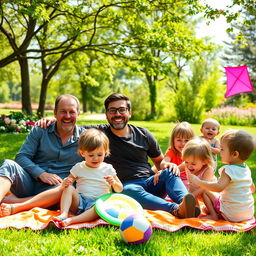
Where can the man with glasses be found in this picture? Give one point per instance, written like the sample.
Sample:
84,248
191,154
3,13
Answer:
130,147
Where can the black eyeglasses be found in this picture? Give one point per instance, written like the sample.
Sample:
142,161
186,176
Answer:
121,110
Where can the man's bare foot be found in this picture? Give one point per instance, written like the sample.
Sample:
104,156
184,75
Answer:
6,210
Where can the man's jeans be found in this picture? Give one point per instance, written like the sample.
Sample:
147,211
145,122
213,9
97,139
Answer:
152,196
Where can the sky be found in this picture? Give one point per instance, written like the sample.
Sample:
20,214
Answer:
217,28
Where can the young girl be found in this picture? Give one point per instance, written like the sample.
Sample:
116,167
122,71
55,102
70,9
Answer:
234,201
180,135
198,160
93,178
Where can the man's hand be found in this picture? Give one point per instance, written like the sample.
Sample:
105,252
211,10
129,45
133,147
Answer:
50,178
45,122
172,168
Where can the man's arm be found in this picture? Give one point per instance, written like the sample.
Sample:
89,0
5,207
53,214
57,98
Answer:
157,162
25,159
27,152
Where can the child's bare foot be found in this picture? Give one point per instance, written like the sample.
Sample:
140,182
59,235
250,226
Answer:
205,210
65,222
60,217
6,210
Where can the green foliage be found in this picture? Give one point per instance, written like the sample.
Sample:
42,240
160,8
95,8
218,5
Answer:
139,96
212,90
167,36
165,105
4,92
232,11
85,40
240,50
188,106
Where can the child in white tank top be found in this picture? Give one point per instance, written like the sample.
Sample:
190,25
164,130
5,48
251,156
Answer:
230,196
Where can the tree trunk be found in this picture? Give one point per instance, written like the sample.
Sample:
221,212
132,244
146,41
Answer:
84,96
25,85
47,74
152,94
42,100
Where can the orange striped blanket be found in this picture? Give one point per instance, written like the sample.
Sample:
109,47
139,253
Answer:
38,219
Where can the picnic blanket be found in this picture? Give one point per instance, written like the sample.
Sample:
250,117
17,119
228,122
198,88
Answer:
38,219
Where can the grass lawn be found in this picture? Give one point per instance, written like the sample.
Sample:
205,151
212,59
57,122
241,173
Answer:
106,240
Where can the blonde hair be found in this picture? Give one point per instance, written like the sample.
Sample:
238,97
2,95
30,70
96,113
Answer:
239,140
212,121
200,149
183,130
93,138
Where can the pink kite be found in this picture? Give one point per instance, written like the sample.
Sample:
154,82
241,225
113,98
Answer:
238,80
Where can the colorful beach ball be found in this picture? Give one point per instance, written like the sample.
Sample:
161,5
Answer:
135,229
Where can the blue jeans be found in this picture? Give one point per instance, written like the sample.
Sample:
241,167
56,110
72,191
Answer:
23,184
152,196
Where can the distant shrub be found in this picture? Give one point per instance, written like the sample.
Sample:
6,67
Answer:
16,122
187,106
234,115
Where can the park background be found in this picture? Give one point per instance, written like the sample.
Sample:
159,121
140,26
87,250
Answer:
151,51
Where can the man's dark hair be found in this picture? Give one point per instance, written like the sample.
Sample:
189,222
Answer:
115,97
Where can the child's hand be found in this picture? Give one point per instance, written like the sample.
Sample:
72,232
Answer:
66,182
110,180
156,177
191,177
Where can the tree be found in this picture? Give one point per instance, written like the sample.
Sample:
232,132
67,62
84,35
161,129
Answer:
200,91
90,73
232,11
9,26
241,50
62,28
166,45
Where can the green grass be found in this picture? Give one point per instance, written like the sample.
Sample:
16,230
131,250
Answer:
107,240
